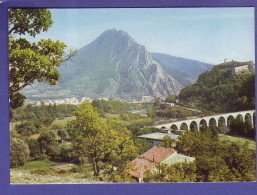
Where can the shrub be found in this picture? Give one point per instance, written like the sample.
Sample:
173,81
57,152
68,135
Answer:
19,152
41,171
77,169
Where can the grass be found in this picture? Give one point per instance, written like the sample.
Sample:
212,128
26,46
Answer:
239,140
62,122
38,164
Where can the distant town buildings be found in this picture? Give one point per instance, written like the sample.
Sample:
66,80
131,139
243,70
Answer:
148,99
72,100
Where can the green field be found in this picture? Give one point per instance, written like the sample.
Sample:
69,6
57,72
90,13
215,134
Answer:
38,164
62,122
240,140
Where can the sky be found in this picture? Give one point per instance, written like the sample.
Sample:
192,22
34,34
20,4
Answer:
205,34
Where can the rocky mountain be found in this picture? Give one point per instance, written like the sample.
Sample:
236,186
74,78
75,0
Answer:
183,70
114,66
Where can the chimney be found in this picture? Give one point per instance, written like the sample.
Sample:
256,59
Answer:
153,158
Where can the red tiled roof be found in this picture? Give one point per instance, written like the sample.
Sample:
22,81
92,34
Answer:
149,159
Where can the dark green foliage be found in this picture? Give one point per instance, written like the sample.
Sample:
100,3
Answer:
216,161
47,143
67,154
219,90
34,148
178,172
241,128
62,133
26,126
36,118
171,98
142,145
110,106
19,152
168,142
162,110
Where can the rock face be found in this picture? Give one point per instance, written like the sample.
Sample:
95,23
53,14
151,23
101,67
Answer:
113,66
185,71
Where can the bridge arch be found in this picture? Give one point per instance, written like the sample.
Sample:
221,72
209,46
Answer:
184,126
230,119
194,126
222,123
174,127
203,123
212,122
240,116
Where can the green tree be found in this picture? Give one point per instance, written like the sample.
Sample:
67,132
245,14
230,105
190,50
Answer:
123,149
30,62
168,142
34,147
19,152
47,142
171,98
62,133
90,136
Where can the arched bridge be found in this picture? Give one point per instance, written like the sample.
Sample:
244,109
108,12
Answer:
221,120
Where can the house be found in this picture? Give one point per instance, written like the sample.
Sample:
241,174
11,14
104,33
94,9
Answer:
148,99
154,156
157,138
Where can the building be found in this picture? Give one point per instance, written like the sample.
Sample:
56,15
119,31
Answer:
243,68
156,138
154,156
148,99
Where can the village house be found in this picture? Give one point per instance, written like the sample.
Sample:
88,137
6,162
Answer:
154,156
156,138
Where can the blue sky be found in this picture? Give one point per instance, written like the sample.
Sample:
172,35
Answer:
205,34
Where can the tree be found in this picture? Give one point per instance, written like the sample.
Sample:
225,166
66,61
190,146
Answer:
168,142
47,141
30,62
62,133
123,149
34,147
90,136
19,152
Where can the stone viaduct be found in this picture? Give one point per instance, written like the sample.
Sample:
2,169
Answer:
221,120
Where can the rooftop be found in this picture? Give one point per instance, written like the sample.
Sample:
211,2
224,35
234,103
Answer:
158,136
149,159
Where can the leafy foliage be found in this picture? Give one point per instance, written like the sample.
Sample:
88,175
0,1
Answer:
19,152
30,62
98,141
219,90
241,128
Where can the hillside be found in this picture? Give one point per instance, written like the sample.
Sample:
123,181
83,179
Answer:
183,70
219,90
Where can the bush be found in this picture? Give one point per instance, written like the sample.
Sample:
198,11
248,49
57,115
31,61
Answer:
19,152
77,169
41,157
41,171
